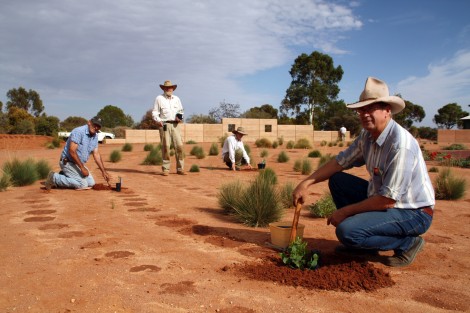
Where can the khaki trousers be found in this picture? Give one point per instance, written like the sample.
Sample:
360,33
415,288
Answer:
168,136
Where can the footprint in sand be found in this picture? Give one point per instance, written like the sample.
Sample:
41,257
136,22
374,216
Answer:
39,219
40,212
147,268
119,254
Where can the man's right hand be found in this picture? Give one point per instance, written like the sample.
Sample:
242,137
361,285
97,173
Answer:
85,172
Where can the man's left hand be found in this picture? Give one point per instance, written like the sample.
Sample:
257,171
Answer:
337,217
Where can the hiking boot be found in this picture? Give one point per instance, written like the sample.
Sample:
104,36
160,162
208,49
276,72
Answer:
352,252
406,257
166,173
50,181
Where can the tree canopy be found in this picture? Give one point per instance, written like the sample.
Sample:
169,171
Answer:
72,122
225,109
314,86
113,116
30,101
411,113
449,116
265,111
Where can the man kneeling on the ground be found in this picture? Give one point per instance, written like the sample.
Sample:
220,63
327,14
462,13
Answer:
393,208
233,151
82,142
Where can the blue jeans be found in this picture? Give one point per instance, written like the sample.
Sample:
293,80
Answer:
392,229
72,177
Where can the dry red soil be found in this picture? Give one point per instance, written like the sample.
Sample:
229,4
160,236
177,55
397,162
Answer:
163,244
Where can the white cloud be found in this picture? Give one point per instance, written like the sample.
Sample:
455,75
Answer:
116,52
447,81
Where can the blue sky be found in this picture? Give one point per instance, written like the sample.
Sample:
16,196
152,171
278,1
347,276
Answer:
83,55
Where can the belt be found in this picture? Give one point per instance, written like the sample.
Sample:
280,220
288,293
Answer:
66,160
428,210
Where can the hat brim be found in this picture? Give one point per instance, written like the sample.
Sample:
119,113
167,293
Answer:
163,86
395,102
238,132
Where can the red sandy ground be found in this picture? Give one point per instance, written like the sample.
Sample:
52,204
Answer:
162,244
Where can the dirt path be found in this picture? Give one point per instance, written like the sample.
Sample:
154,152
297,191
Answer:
164,245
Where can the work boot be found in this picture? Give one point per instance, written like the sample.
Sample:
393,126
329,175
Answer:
166,173
50,181
406,257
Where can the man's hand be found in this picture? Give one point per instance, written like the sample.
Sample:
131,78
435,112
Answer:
85,172
249,166
298,194
106,177
234,168
337,217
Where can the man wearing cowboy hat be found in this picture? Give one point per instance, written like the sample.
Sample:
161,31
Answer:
168,113
233,151
393,208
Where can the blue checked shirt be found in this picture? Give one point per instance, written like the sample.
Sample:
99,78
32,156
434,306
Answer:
395,164
85,141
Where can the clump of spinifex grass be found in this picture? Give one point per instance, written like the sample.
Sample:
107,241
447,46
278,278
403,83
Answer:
282,157
214,149
115,156
43,168
148,147
325,159
323,207
194,168
127,147
198,152
449,187
5,181
154,157
257,204
22,173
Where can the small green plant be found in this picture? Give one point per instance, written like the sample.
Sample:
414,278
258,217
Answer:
323,207
214,149
275,144
286,194
433,170
290,144
198,152
229,195
449,187
194,168
148,147
303,143
280,140
324,159
263,143
314,154
154,157
222,140
115,156
191,142
269,175
127,147
297,165
298,256
282,157
5,181
455,146
22,173
43,168
323,143
264,153
306,167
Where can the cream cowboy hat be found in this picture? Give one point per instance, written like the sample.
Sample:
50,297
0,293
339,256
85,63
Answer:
240,130
375,91
168,83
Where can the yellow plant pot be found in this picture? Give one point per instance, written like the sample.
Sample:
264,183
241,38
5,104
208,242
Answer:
280,233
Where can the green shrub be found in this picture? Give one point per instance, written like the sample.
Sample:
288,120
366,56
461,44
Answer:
127,147
154,157
21,173
56,142
115,156
282,157
314,154
297,165
268,174
306,168
222,140
264,153
247,149
449,187
198,152
263,143
5,181
325,159
148,147
290,144
275,144
194,168
280,140
303,143
256,205
433,170
455,146
298,256
323,207
43,168
323,143
214,149
191,142
286,194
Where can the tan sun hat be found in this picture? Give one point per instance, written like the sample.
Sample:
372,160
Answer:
168,83
240,130
375,91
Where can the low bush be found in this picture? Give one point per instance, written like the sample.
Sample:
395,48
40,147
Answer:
198,152
455,146
214,149
282,157
290,144
115,156
275,144
127,147
22,173
280,140
263,143
433,170
194,168
43,168
264,153
306,167
314,154
449,187
191,142
323,207
148,147
324,159
303,143
286,194
154,157
5,181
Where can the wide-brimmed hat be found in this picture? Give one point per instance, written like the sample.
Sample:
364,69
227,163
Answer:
97,121
240,130
168,83
375,91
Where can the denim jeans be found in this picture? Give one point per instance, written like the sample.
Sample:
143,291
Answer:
391,229
72,177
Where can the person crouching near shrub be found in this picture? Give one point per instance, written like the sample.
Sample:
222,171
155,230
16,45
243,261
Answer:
82,143
396,205
233,151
